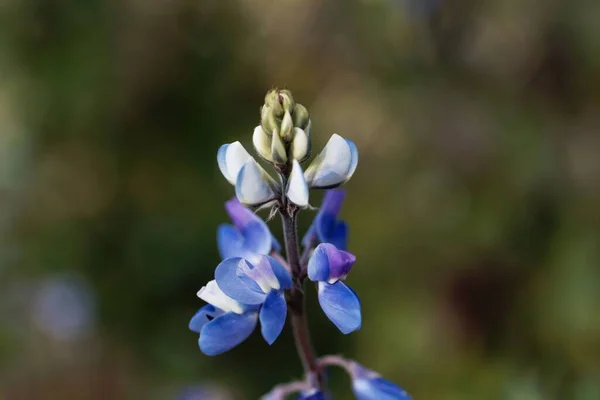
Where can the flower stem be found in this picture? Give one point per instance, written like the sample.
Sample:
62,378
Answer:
295,300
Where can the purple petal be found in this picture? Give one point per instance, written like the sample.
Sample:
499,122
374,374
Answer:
253,229
329,264
237,285
226,331
341,305
272,316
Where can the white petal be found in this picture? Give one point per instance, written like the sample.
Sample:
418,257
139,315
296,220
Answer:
300,145
212,294
297,190
262,143
253,186
334,165
278,153
231,158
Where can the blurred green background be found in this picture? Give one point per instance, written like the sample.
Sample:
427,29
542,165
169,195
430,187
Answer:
474,211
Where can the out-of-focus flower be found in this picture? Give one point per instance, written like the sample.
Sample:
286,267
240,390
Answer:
207,392
249,237
63,308
326,228
369,385
334,166
241,294
312,395
329,266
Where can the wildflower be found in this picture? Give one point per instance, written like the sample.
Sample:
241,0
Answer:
369,385
329,266
326,228
249,237
334,166
240,295
253,185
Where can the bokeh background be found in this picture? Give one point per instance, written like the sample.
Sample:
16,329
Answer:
474,210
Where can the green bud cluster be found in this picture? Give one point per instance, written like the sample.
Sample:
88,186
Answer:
284,131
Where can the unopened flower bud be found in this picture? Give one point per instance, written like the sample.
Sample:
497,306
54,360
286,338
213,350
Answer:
287,100
268,121
287,128
272,100
280,116
301,117
278,149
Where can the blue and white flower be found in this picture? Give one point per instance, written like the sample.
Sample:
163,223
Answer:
329,266
241,294
249,237
369,385
334,166
326,228
253,185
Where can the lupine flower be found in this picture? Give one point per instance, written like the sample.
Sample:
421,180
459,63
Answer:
334,166
240,295
253,185
249,237
369,385
329,266
326,228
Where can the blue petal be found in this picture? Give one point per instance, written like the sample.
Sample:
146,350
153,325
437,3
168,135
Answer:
339,236
225,332
230,242
341,305
326,228
354,163
203,317
282,274
221,160
318,265
276,246
378,389
236,285
272,316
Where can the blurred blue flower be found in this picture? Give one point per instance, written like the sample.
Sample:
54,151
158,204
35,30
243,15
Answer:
329,266
312,395
249,237
63,308
240,295
200,393
326,228
369,385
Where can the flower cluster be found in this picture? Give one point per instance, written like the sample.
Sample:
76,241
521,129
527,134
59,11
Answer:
254,282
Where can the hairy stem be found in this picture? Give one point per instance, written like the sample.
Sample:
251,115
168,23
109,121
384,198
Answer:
295,299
